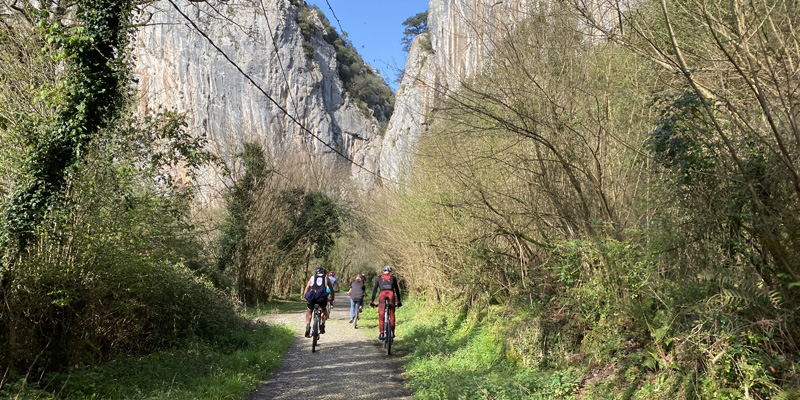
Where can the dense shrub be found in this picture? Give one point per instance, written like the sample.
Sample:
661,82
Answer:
116,268
644,213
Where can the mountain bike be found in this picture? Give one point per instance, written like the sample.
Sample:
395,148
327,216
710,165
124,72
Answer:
315,327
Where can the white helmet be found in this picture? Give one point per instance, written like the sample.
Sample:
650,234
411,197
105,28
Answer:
387,269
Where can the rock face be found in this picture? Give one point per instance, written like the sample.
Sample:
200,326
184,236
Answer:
241,72
413,103
459,42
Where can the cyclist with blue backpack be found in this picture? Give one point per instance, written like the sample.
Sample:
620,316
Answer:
316,292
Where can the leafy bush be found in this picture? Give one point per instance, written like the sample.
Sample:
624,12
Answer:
117,269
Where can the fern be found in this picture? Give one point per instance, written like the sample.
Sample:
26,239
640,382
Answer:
791,394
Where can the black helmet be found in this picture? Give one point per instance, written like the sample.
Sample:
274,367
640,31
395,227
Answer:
387,269
320,270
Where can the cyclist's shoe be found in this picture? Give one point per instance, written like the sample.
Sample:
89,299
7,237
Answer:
308,330
322,328
351,320
360,309
381,336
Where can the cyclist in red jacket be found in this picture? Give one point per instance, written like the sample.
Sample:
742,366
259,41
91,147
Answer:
389,290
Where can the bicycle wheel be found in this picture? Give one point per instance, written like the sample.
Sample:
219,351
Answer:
315,332
387,330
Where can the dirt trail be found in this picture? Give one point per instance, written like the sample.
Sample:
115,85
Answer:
348,364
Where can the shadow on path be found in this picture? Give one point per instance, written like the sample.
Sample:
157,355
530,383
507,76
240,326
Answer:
348,364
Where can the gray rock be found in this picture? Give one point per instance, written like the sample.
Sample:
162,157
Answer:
460,39
179,69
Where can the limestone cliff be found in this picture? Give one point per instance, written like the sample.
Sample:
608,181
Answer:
244,70
459,42
250,70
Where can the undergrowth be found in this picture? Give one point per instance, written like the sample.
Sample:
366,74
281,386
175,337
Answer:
455,353
546,351
228,367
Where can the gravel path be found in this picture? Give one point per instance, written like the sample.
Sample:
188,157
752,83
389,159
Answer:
348,364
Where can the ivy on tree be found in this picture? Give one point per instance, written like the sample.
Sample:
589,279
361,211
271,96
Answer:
93,95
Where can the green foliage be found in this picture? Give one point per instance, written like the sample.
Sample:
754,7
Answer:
415,25
116,270
93,94
680,140
315,220
454,354
239,201
228,366
360,80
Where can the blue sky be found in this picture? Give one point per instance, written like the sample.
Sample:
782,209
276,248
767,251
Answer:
375,27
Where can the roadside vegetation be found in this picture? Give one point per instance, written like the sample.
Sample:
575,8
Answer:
609,209
230,366
112,278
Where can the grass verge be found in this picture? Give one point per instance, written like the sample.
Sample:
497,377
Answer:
277,306
453,354
229,367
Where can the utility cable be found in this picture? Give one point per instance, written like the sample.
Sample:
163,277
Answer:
288,90
335,17
260,89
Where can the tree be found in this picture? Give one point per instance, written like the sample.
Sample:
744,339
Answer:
415,25
315,220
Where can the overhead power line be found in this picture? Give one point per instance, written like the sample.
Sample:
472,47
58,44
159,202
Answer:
335,17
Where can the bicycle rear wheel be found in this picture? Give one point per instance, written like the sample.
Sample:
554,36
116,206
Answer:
355,318
315,332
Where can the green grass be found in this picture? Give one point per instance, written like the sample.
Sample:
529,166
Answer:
450,354
293,304
228,368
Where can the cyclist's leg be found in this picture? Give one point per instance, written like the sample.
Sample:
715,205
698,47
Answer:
309,308
381,310
323,304
391,310
352,309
